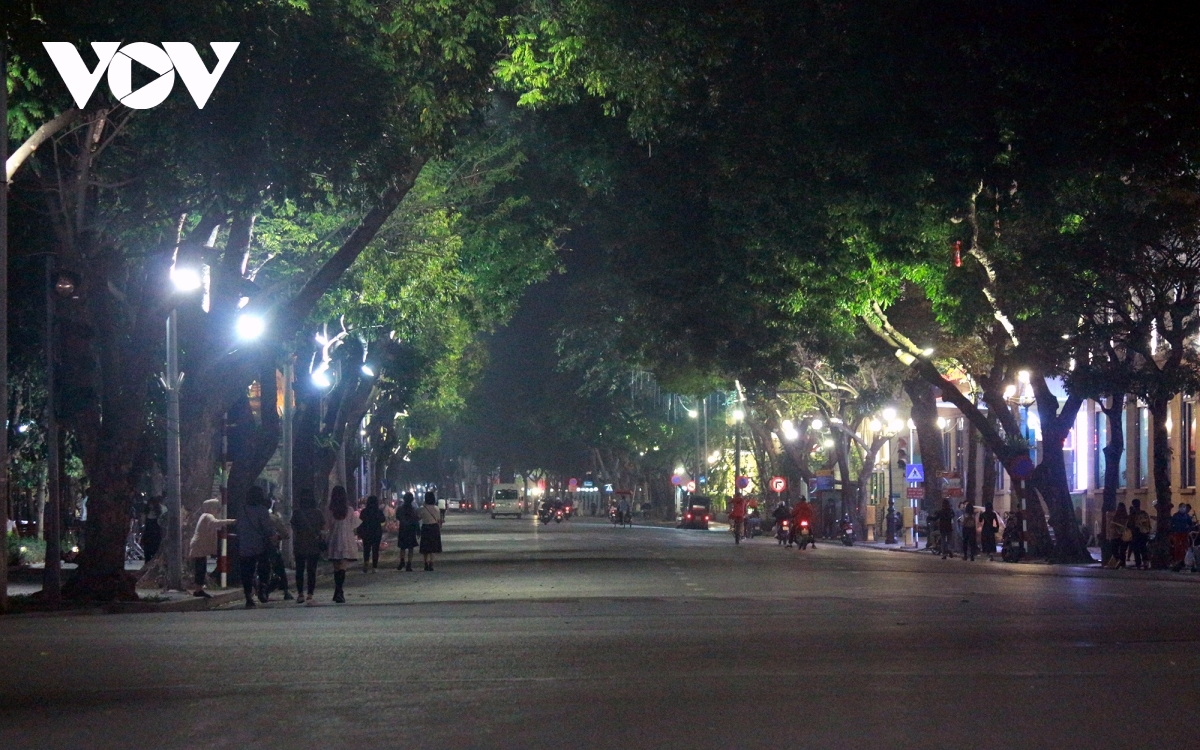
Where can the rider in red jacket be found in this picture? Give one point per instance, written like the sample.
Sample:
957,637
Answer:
737,517
801,513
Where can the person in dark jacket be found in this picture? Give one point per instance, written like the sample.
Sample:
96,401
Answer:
969,522
255,534
989,527
410,528
431,530
370,530
1140,526
307,525
945,525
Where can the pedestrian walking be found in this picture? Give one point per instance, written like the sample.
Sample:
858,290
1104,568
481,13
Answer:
945,524
409,521
204,541
308,524
1181,525
1119,536
431,530
370,530
278,579
1140,527
152,528
255,535
989,528
343,544
969,545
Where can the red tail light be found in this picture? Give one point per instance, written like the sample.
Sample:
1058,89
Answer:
688,517
804,523
708,518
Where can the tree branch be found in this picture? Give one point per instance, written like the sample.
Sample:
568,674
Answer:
26,149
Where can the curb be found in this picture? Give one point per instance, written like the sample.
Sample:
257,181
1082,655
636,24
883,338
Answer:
189,604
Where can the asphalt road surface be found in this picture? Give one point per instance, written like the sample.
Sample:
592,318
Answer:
584,635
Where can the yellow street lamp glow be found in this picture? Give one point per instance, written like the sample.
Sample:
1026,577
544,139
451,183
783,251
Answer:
1023,377
941,423
1010,391
889,414
817,424
738,415
895,425
693,413
875,425
828,442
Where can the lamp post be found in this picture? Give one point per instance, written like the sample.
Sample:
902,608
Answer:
739,415
695,414
186,279
58,284
1025,399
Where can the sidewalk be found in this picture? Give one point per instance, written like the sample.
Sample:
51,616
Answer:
1045,568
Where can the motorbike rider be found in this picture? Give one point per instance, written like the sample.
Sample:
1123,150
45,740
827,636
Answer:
737,517
801,513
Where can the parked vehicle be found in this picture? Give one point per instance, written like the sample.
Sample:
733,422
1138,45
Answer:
698,514
847,532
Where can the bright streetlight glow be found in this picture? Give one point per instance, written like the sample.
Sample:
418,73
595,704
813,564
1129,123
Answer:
714,457
876,425
679,470
320,376
895,425
185,279
817,424
738,415
927,351
889,414
828,442
1010,391
941,423
368,370
250,326
693,413
1023,377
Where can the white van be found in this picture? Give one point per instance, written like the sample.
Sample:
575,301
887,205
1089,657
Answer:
508,500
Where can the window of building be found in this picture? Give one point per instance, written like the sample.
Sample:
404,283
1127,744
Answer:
1187,448
1099,440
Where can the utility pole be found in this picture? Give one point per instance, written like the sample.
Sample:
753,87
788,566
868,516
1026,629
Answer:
289,412
4,322
174,548
51,519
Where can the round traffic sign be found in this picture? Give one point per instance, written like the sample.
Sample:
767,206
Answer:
691,486
778,484
743,482
676,480
572,483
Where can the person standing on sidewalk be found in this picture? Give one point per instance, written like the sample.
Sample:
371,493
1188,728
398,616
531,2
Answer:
968,531
152,534
1181,524
409,523
307,527
431,530
343,544
945,524
278,578
255,535
989,528
370,530
1119,536
204,541
1140,527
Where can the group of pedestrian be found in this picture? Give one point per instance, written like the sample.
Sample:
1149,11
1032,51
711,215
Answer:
333,533
977,529
1129,530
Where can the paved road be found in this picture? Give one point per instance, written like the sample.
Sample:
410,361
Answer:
584,635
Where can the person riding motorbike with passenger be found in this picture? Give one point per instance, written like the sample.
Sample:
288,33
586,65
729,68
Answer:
782,512
737,517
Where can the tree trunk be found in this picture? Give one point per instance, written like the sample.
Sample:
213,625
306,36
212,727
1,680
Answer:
1159,413
1114,414
1050,476
929,439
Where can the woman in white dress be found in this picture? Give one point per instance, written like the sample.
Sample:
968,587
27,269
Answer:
343,545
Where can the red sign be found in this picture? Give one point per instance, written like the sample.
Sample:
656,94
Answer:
778,484
916,493
691,486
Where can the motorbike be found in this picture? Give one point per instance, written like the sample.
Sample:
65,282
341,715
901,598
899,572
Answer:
848,533
558,515
804,535
782,530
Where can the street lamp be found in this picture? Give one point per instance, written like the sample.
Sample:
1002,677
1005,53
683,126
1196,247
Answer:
186,279
250,326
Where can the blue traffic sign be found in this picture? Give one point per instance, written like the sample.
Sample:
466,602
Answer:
914,473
